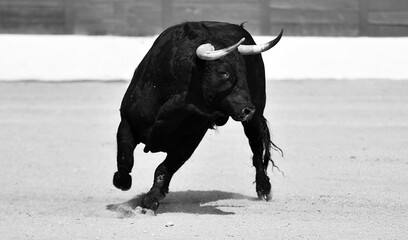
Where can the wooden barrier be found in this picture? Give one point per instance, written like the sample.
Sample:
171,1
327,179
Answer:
149,17
387,18
28,16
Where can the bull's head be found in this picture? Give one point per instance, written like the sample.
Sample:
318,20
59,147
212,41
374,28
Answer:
224,77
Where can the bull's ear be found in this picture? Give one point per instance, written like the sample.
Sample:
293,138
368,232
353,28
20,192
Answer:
257,49
207,51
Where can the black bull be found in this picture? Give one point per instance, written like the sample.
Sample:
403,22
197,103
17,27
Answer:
182,88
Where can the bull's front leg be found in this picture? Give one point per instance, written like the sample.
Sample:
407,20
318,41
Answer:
162,177
126,145
257,132
165,171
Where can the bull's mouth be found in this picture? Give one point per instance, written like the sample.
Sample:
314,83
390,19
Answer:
242,118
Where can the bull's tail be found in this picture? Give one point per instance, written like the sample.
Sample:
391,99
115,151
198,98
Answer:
268,145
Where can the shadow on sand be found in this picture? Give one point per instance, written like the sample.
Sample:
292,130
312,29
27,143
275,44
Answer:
193,202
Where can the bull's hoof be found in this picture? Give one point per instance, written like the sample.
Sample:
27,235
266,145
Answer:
144,211
151,199
123,181
263,189
264,196
150,202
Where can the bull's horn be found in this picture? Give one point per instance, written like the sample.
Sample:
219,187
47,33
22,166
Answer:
256,49
208,52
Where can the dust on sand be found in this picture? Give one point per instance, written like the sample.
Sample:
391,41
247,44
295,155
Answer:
345,164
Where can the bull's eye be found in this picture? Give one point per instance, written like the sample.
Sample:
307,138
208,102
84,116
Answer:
223,75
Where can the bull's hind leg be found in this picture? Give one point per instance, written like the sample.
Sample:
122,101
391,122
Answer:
165,171
257,132
126,146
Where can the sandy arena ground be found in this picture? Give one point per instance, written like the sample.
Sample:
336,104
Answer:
345,167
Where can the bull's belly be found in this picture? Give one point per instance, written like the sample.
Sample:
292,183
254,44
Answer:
158,142
167,136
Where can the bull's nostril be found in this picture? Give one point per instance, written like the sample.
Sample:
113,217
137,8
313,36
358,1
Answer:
245,115
247,111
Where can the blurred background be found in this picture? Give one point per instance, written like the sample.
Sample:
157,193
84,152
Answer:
150,17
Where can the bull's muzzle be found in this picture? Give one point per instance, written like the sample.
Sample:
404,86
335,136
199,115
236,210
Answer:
246,114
